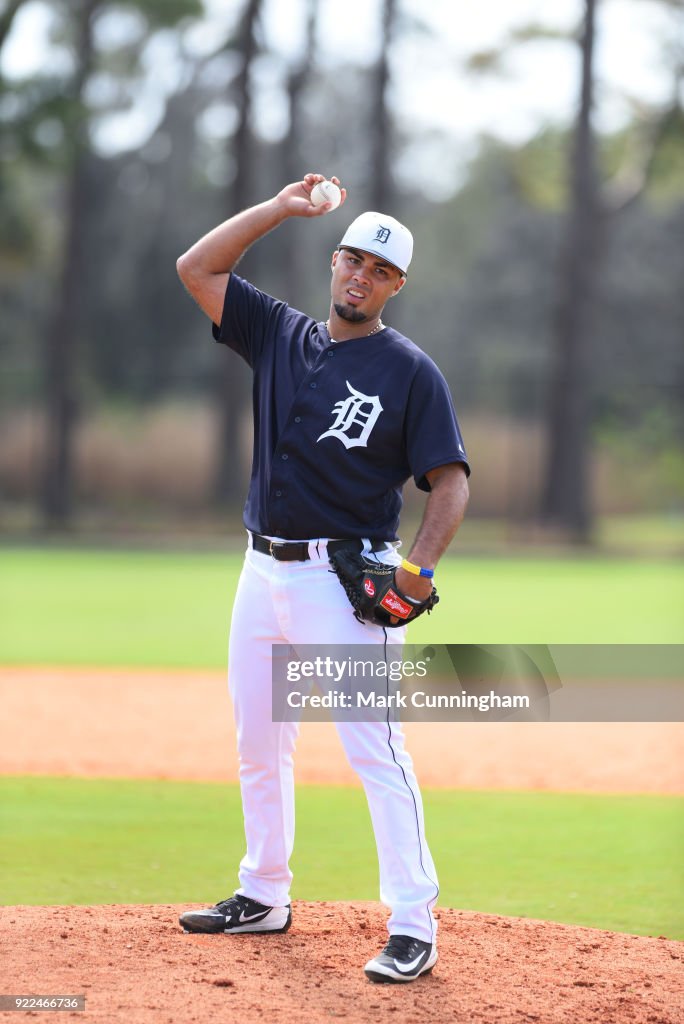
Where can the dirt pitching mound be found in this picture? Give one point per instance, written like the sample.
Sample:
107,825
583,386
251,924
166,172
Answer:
134,964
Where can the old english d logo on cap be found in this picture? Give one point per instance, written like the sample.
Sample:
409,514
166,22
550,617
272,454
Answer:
383,236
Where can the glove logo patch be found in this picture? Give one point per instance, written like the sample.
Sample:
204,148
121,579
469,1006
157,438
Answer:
369,587
392,603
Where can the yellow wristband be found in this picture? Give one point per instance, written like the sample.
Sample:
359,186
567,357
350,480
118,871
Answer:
417,570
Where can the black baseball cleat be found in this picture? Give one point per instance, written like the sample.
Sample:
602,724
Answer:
238,914
403,959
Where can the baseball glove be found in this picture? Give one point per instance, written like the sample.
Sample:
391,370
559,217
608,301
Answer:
373,593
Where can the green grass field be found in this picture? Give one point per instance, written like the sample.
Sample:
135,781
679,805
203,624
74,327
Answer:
609,862
155,608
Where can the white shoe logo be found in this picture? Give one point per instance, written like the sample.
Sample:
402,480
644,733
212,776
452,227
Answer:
243,919
405,968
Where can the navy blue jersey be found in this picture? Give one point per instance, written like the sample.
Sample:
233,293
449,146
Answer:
339,427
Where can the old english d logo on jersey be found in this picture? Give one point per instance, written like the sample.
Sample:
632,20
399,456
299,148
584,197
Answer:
355,417
392,603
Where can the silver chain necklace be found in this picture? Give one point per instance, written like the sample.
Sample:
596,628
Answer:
378,327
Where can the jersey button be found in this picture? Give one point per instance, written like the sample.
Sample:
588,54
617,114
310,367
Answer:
298,419
284,456
278,494
313,384
330,354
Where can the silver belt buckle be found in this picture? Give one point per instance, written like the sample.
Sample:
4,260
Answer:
270,548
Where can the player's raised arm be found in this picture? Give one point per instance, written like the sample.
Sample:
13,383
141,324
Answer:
205,268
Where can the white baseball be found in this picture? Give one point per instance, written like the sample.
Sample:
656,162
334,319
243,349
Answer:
326,192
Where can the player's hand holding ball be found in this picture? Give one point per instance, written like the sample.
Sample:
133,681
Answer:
326,192
313,196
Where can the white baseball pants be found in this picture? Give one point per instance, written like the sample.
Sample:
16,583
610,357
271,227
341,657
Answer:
304,603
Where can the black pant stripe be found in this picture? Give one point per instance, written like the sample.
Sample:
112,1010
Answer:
431,902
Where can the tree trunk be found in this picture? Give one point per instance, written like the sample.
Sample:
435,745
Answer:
233,381
61,332
382,188
566,497
7,19
294,273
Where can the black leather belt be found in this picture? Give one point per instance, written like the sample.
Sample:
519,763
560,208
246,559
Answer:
298,551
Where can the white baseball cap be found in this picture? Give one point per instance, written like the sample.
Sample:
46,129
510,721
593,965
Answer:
382,236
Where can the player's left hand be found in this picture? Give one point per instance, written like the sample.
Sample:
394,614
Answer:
417,587
374,591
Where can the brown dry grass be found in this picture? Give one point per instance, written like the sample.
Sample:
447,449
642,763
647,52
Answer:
166,455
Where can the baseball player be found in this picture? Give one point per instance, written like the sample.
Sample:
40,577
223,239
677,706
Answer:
345,411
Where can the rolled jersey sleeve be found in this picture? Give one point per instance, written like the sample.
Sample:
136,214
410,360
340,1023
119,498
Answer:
433,436
249,317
